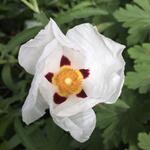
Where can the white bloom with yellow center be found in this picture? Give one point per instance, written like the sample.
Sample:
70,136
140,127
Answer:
72,73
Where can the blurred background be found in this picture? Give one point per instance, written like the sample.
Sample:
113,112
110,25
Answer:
124,125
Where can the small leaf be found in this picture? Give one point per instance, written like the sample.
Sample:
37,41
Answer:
144,141
22,37
140,78
69,16
7,78
23,135
137,19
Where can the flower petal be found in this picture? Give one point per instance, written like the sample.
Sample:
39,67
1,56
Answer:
76,57
74,105
114,47
51,56
100,59
35,105
31,51
61,38
71,106
113,98
32,112
80,125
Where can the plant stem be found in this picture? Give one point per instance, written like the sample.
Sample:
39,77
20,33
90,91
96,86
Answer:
33,5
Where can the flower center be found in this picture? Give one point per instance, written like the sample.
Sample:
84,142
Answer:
68,81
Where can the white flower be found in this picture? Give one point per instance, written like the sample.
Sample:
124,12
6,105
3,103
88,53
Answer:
72,73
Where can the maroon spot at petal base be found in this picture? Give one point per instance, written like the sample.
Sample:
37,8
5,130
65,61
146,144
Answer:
59,99
82,94
49,76
85,72
64,61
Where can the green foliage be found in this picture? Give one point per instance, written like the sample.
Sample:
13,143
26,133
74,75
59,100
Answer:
137,18
121,126
79,13
49,136
141,77
144,141
123,120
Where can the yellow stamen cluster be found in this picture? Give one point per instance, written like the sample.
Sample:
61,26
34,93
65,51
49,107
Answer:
68,81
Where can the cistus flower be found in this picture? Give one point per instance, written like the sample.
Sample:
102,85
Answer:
72,74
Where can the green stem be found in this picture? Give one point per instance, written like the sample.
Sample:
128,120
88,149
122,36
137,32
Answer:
33,5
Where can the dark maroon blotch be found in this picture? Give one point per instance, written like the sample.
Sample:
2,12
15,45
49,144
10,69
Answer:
64,61
82,94
85,72
49,76
59,99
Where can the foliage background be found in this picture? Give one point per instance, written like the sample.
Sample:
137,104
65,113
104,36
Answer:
124,125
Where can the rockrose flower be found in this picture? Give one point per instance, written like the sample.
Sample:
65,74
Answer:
72,74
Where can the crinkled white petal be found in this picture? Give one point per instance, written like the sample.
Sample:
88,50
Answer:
51,56
31,51
74,105
76,57
35,105
61,38
80,125
47,91
104,62
32,112
114,47
113,98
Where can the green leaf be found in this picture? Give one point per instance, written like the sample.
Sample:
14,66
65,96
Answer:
140,54
109,119
69,16
7,78
4,146
22,37
141,77
5,103
144,141
60,138
133,147
136,17
48,136
41,17
121,121
4,123
82,5
12,143
94,143
23,135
